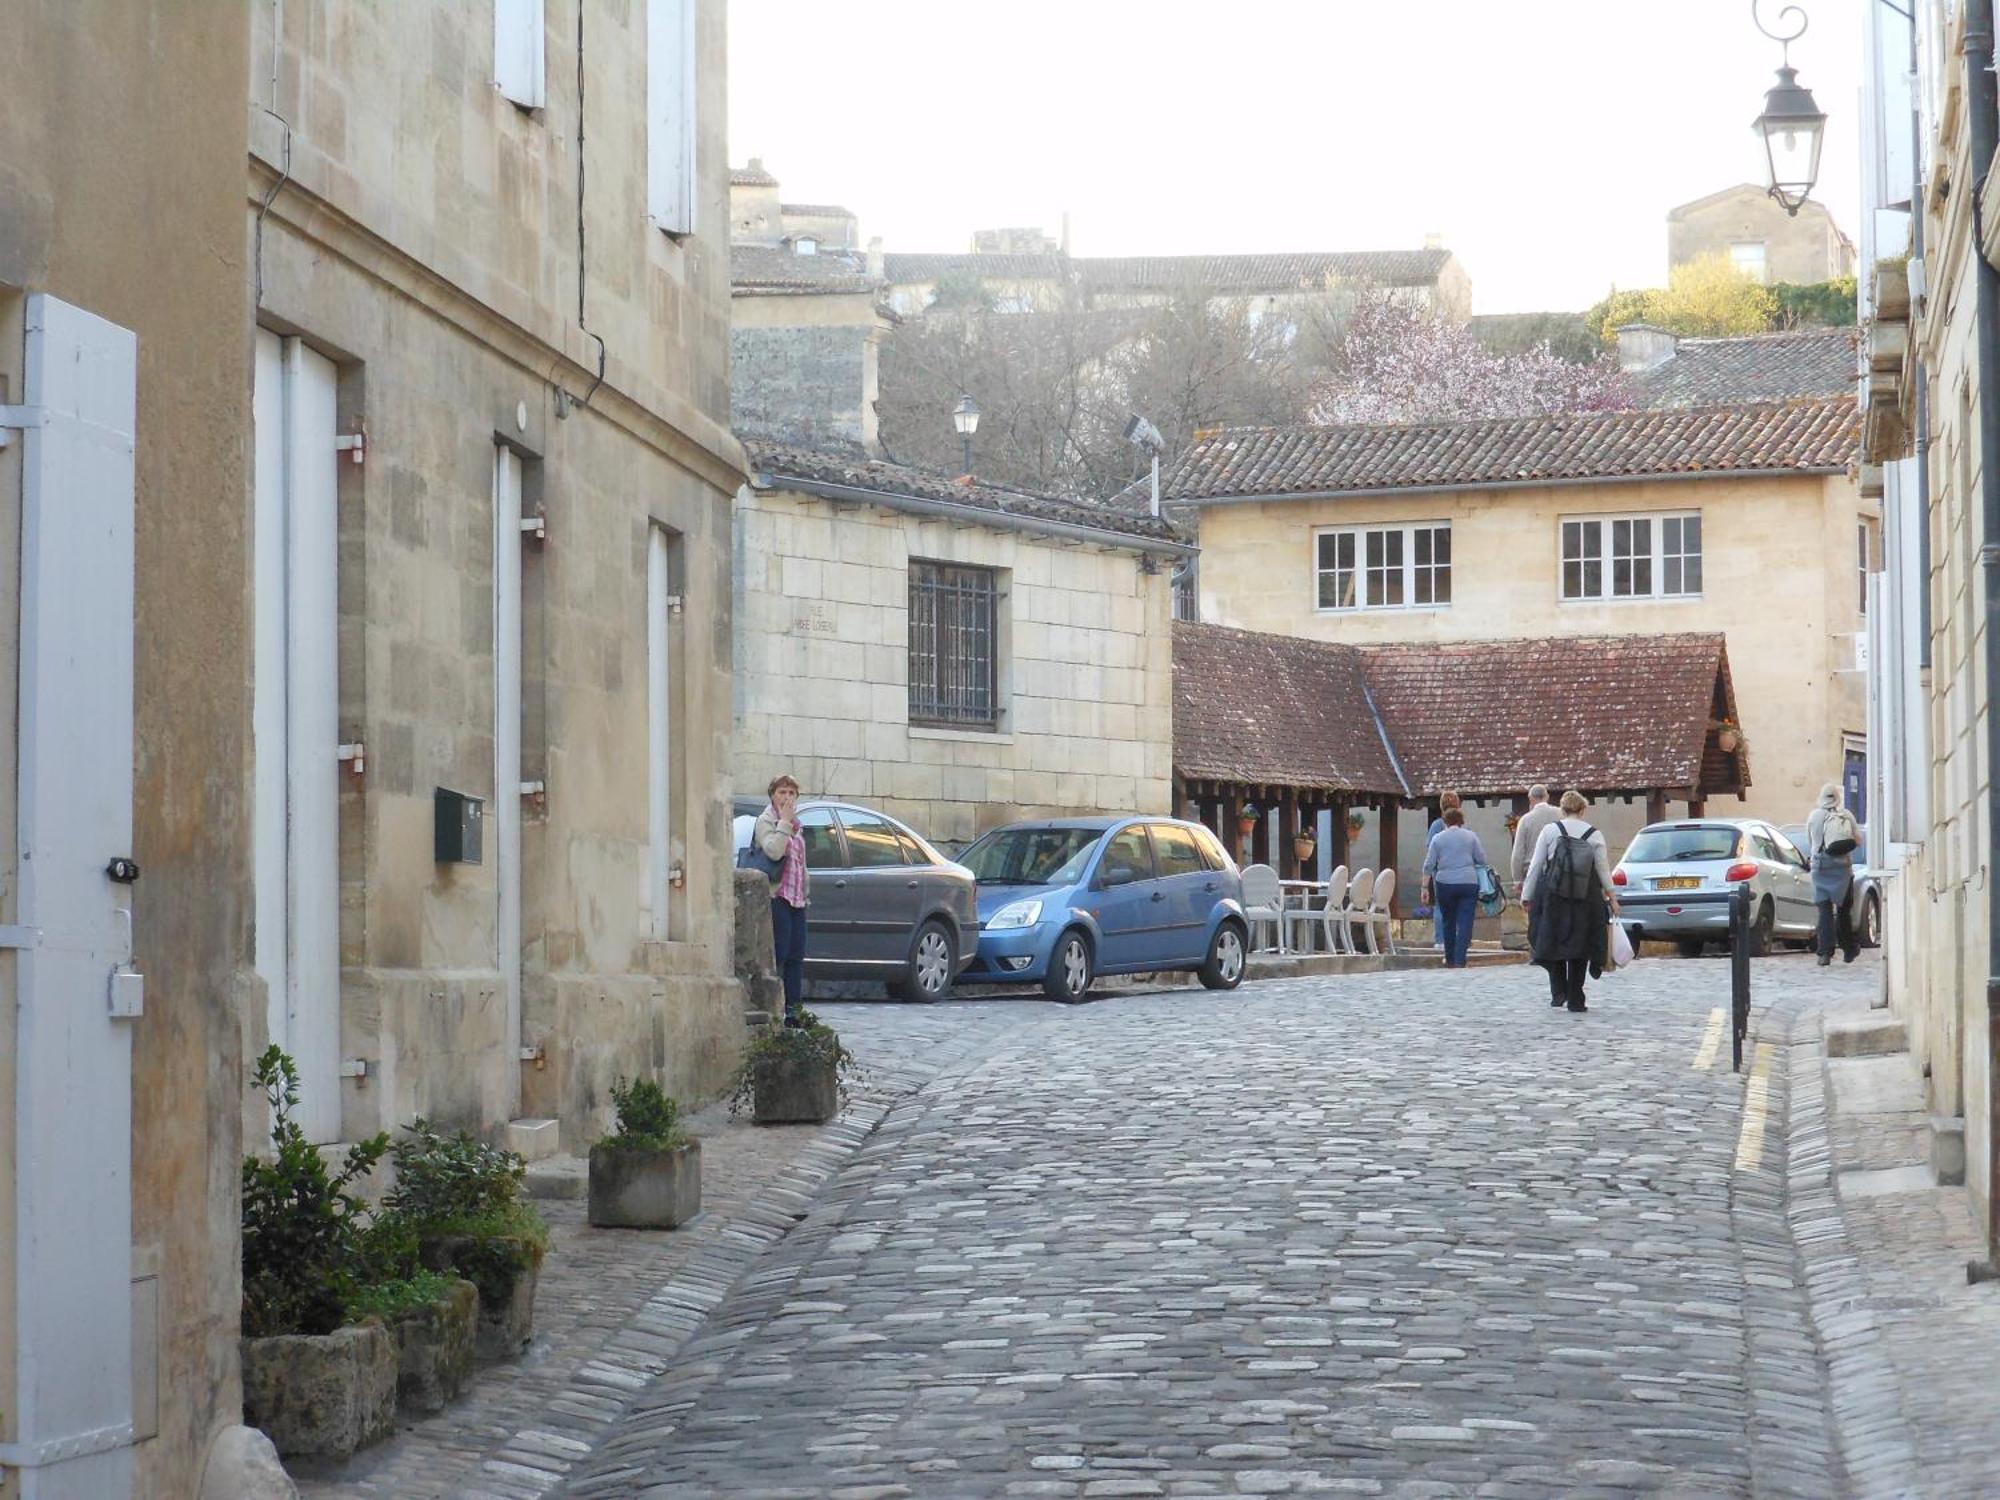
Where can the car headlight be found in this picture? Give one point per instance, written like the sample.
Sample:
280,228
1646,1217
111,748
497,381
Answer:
1016,914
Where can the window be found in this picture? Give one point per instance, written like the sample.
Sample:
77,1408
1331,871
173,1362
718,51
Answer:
1394,567
1869,561
670,122
1176,851
1211,850
954,616
823,851
805,244
871,842
1747,256
1631,557
1126,858
518,31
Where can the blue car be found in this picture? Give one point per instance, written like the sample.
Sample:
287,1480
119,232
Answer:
1063,901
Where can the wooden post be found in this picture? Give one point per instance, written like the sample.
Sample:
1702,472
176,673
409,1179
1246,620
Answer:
1388,860
1288,824
1231,806
1336,847
1656,806
1697,807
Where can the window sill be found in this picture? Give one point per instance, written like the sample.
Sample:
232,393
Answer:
971,736
1626,599
1381,609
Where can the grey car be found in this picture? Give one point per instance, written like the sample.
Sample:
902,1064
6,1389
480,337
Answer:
1674,881
885,904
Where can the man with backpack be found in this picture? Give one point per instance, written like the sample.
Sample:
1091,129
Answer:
1565,895
1831,838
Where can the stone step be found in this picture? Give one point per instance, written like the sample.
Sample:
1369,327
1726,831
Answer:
558,1177
1865,1036
534,1140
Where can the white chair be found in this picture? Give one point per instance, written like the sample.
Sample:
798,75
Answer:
1264,901
1359,888
1381,906
1333,899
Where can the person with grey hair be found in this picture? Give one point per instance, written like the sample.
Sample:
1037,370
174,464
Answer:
1831,839
1541,812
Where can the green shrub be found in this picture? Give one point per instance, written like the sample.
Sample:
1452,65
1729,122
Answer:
647,1116
302,1262
810,1041
457,1206
388,1300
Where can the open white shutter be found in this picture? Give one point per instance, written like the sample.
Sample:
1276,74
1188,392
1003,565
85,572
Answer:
519,30
670,114
72,1217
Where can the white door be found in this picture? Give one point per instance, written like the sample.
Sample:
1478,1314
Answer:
296,718
72,1209
507,739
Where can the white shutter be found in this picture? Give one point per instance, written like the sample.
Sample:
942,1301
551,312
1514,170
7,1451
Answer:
670,114
507,743
72,1209
519,30
659,726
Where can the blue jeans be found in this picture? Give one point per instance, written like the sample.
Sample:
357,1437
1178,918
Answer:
1457,904
788,936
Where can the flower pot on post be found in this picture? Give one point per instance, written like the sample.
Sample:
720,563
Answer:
434,1348
1303,845
642,1186
322,1395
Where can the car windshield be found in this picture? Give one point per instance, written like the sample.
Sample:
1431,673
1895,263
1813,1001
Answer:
1669,846
1031,856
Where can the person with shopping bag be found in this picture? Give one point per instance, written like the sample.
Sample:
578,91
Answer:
1569,900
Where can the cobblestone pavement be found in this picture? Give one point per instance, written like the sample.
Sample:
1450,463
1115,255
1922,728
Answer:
1402,1234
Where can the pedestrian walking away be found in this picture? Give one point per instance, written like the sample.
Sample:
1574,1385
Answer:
1541,812
1565,894
1451,876
1446,803
1832,836
778,836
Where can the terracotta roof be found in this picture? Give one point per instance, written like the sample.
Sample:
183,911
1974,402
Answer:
1809,436
771,464
773,270
1275,710
1760,367
1229,273
751,176
816,210
1486,718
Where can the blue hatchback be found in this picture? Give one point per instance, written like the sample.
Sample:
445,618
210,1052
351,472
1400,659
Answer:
1063,901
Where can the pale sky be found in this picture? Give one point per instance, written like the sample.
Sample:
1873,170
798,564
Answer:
1544,140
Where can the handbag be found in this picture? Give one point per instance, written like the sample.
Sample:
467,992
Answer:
1620,946
1492,899
751,857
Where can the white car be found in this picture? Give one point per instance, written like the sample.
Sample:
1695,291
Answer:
1676,879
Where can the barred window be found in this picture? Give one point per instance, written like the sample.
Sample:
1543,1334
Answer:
953,645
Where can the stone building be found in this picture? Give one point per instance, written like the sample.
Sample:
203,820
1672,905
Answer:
124,675
1763,241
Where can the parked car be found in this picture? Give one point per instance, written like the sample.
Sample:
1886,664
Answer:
1867,889
1063,901
1669,868
885,904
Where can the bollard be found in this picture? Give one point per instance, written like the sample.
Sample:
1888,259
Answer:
1739,972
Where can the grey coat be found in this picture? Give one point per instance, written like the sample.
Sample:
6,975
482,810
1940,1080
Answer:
1832,874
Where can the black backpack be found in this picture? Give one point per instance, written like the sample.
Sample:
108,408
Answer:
1572,869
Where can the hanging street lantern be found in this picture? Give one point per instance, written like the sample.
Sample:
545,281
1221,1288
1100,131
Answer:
1792,128
965,418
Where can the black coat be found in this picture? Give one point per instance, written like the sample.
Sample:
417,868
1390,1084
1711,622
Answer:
1563,930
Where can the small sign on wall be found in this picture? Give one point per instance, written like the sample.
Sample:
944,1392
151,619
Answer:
814,619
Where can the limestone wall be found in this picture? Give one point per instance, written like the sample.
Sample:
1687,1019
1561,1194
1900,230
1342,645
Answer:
823,640
1807,247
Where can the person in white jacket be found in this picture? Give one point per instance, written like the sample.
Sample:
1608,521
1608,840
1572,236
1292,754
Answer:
1565,895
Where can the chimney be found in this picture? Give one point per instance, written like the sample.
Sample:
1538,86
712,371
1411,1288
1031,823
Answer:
1064,247
1434,240
756,163
1644,347
875,257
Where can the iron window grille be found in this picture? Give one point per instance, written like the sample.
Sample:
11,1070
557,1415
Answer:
954,645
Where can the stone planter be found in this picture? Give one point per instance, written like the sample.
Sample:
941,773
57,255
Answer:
505,1271
796,1091
434,1346
644,1187
321,1395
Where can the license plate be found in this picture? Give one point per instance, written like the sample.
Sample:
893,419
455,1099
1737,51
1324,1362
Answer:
1677,883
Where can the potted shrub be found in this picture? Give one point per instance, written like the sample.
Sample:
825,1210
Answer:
1355,819
794,1076
459,1201
319,1377
648,1174
1303,844
1246,821
433,1319
1729,737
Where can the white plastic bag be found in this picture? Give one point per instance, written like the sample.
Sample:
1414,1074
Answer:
1622,955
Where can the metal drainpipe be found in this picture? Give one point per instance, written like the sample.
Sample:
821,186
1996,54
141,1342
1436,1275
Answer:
1923,440
1983,128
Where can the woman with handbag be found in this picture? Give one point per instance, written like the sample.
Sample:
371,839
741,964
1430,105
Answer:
778,839
1831,837
1452,867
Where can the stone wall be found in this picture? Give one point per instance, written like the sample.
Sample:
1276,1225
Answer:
798,385
823,639
1807,248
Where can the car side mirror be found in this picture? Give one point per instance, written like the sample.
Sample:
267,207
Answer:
1106,879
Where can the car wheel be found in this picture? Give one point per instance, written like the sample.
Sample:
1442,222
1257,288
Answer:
1871,921
1689,947
1068,978
933,961
1223,968
1761,928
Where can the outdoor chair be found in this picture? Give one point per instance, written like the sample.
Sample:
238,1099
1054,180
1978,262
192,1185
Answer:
1359,888
1333,896
1264,901
1381,906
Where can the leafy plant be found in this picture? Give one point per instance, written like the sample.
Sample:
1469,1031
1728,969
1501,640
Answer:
457,1206
389,1299
302,1224
811,1041
647,1116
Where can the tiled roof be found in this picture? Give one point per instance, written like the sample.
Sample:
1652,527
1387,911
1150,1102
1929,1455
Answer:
1275,710
753,176
1761,367
771,464
1485,718
1228,273
816,210
1808,436
771,269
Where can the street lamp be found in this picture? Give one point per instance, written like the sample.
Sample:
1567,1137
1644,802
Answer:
965,417
1791,126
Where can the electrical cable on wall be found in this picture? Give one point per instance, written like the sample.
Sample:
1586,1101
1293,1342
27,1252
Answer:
565,401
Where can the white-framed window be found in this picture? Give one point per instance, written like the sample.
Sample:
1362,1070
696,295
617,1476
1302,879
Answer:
1749,258
519,28
805,244
1383,567
1632,557
670,114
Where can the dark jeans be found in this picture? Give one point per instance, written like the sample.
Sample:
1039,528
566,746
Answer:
788,935
1457,904
1836,927
1566,977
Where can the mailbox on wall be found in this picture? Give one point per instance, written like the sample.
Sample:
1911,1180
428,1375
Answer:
458,827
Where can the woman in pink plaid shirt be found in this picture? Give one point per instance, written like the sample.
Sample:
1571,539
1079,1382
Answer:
778,836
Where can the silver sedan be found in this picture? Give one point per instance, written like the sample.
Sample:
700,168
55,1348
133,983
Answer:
1675,880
